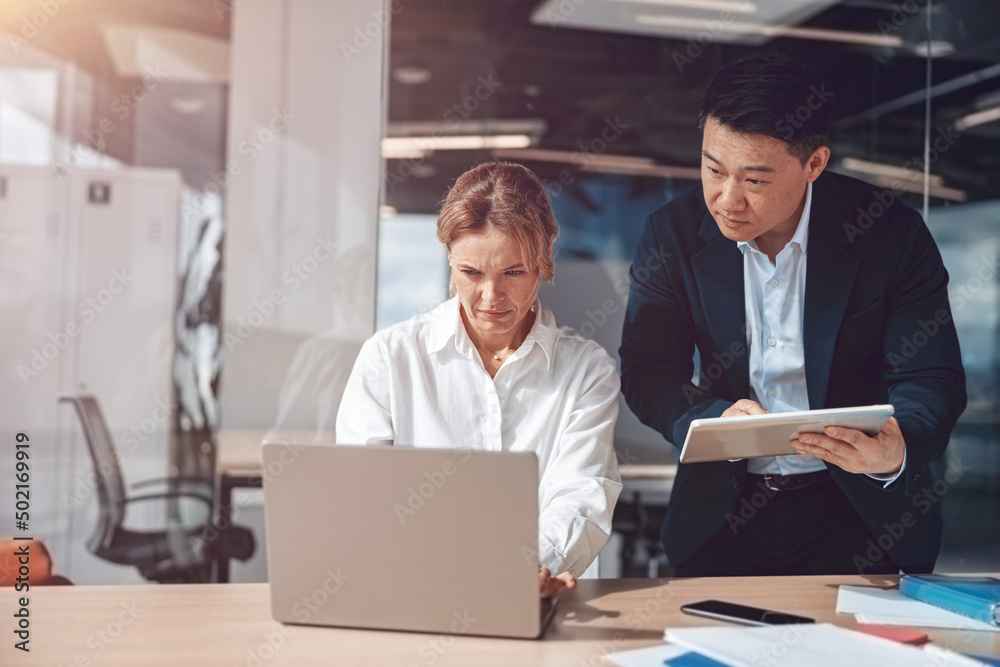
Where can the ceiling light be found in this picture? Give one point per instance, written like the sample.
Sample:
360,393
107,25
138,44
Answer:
977,118
774,30
939,38
403,153
612,164
888,171
187,105
424,170
411,76
940,192
737,6
534,127
455,142
572,157
899,179
937,48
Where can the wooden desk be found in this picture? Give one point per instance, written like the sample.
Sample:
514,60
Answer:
227,625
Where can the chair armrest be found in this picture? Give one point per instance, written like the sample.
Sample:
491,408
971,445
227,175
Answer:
170,495
190,522
156,481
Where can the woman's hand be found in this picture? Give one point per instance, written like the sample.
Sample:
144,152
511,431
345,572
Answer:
549,585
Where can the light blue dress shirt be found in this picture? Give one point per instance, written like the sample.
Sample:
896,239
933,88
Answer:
774,300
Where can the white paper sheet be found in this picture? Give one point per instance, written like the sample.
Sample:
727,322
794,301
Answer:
890,607
815,645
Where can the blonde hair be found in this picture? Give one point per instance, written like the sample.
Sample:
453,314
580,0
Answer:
504,196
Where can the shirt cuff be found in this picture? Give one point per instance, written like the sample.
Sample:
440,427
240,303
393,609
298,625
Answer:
549,556
889,478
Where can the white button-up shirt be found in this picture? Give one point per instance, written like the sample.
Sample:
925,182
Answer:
422,383
774,298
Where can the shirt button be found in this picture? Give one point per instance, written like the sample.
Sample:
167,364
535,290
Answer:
771,392
773,283
772,342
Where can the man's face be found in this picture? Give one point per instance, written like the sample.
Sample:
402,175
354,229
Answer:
755,188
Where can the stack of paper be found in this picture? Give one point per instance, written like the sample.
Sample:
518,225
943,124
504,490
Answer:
815,645
890,607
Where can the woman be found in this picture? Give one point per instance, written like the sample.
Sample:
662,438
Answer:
489,369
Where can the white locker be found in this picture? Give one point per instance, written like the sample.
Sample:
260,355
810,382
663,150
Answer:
37,352
126,287
87,293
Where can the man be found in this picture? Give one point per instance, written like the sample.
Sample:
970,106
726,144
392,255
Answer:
800,290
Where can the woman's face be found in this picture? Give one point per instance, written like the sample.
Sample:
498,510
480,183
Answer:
494,286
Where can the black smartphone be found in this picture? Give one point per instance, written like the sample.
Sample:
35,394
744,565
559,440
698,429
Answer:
738,613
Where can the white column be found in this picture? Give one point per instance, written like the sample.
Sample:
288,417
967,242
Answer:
305,121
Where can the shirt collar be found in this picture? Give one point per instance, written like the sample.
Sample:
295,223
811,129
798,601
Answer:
543,333
445,321
447,328
801,235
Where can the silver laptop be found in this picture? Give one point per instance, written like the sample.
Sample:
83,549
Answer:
403,538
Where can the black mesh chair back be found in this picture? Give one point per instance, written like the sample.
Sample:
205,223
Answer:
107,469
172,551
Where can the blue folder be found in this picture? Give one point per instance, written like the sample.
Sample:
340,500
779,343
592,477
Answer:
975,597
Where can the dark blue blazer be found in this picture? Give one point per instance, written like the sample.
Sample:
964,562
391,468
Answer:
877,329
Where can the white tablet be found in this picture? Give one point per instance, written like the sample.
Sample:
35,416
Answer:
727,438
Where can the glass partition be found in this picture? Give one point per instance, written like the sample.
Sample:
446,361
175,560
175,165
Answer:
190,208
600,99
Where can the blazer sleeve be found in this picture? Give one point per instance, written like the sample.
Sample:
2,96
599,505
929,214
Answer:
922,376
658,342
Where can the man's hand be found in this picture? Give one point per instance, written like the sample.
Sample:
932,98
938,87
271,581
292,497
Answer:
854,451
744,407
549,585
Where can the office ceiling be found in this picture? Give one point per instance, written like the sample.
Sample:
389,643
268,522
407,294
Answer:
181,122
574,74
74,30
605,63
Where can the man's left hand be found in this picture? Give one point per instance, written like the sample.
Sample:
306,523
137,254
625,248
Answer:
853,451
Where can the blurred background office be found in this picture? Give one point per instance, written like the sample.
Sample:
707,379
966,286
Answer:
206,206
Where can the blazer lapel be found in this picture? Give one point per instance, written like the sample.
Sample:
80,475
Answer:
830,273
718,272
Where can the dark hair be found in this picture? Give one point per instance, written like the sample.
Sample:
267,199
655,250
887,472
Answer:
770,94
505,196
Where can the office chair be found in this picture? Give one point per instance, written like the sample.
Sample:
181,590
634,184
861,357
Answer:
639,523
175,554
